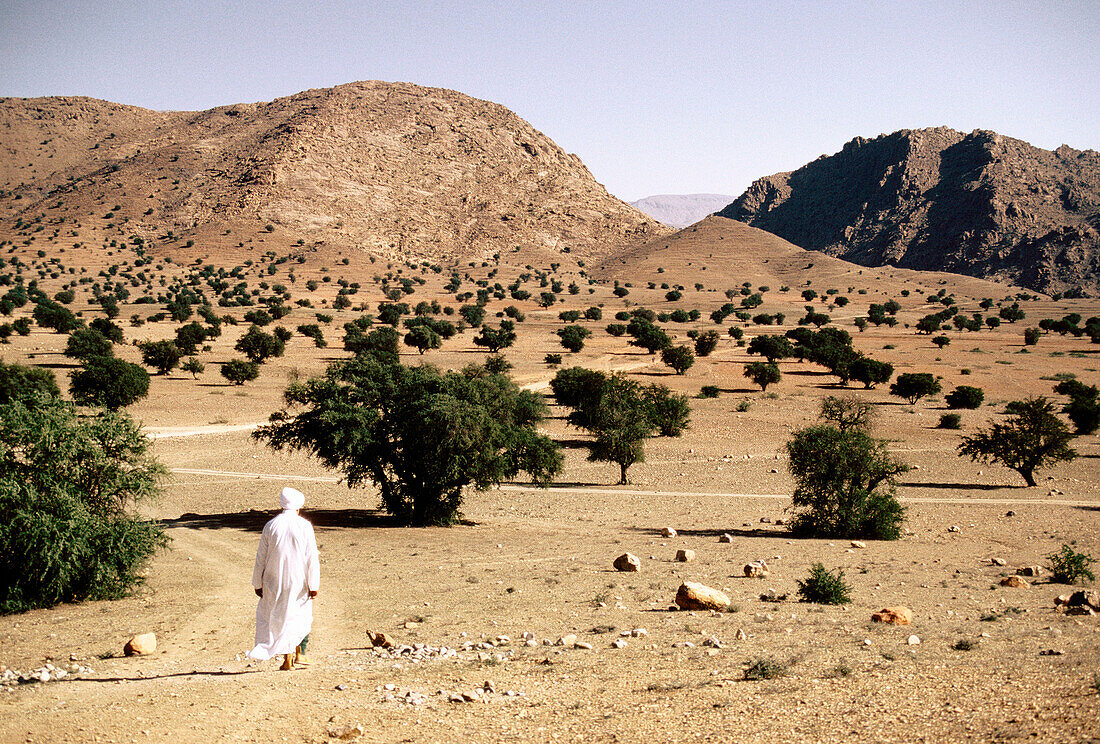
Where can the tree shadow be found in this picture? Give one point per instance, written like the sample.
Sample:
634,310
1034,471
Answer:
254,520
1088,508
570,443
150,677
766,531
739,391
958,486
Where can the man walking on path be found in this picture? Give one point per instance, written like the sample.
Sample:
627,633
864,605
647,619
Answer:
286,579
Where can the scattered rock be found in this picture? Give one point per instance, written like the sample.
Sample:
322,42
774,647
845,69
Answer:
668,532
627,562
618,643
695,596
583,645
858,544
913,640
346,733
741,635
566,640
1030,571
894,615
411,625
141,645
380,640
712,642
954,528
1015,581
1086,598
685,556
1051,652
756,569
998,561
1010,513
725,538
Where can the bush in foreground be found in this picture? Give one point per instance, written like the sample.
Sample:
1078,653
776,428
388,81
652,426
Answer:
67,484
1067,566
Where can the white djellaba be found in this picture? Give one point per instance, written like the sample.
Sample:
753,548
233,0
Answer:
287,570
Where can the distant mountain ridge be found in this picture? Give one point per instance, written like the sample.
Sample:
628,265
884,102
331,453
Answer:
394,169
681,210
936,199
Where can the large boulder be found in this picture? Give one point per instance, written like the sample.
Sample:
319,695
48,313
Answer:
627,562
141,645
695,596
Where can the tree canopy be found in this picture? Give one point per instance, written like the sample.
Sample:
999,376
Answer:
421,436
1032,438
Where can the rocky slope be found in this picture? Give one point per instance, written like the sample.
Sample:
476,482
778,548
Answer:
395,169
681,210
937,199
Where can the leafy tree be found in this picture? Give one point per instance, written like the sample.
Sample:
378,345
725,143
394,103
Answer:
390,313
421,436
1031,336
679,358
1034,437
423,338
1083,408
27,384
22,326
259,346
763,374
669,413
771,347
67,484
706,343
572,337
109,382
88,342
965,396
844,485
474,315
382,340
619,419
941,341
257,317
109,330
194,366
593,313
190,337
49,314
240,371
495,339
163,356
870,372
914,385
1012,313
616,329
496,364
644,334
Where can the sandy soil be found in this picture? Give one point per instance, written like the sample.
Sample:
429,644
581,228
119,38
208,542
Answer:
539,562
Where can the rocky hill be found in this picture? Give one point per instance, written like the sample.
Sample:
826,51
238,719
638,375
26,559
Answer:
394,169
936,199
681,210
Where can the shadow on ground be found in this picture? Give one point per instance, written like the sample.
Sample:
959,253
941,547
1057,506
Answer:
254,520
958,486
766,531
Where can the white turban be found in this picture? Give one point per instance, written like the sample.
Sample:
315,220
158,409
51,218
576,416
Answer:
292,499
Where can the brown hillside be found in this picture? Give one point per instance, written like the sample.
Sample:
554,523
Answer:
719,252
392,168
940,200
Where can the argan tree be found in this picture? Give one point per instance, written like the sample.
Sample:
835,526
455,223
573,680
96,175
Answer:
421,436
763,373
1033,437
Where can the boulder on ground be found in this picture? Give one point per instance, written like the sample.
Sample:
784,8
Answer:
685,556
1081,598
756,569
380,640
894,615
695,596
1030,571
627,562
1015,582
668,532
725,537
141,645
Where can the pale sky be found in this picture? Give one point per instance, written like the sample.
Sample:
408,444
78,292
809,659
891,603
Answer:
655,97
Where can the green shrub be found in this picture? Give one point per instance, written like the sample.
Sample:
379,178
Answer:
965,396
67,482
552,360
240,371
20,383
109,382
765,667
709,391
950,421
824,587
1067,566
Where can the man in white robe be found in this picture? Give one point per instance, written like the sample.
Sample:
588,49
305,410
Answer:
286,579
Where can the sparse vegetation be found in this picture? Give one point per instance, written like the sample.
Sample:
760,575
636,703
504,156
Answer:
824,587
1067,566
1032,438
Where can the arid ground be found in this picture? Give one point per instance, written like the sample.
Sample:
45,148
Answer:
538,562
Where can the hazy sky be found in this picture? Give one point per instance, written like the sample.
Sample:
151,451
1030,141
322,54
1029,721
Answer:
655,97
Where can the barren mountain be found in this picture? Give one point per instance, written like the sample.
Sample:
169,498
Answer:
681,210
392,168
937,199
